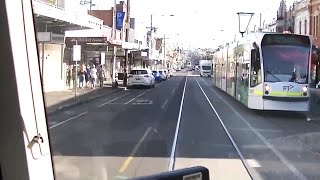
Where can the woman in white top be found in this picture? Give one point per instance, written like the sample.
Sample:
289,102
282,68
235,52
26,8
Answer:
93,74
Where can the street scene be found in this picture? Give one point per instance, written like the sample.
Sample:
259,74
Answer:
130,133
128,94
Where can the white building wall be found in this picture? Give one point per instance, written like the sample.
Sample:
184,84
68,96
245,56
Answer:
302,15
131,35
304,18
54,71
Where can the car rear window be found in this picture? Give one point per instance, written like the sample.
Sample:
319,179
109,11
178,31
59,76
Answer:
160,72
137,72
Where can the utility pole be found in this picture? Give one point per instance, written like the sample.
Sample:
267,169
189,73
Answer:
260,21
127,27
114,83
151,37
164,51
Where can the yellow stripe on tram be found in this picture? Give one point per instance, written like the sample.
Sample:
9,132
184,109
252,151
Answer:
295,94
279,93
285,93
258,92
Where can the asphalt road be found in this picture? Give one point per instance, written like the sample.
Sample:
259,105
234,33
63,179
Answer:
131,133
126,134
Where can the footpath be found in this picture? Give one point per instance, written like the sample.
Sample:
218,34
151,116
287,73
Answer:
62,100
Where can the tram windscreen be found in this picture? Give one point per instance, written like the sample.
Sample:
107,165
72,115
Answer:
286,58
206,68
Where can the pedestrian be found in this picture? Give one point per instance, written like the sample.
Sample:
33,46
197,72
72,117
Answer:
81,75
102,75
93,74
87,75
69,76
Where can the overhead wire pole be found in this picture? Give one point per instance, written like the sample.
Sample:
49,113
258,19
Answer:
151,39
127,40
164,51
152,30
114,83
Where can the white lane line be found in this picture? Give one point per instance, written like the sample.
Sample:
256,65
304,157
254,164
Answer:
282,158
137,97
164,104
226,130
126,163
173,90
112,100
174,144
65,121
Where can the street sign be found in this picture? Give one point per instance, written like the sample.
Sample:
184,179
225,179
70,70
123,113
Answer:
120,18
76,52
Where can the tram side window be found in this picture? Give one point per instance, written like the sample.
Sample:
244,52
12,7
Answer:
255,74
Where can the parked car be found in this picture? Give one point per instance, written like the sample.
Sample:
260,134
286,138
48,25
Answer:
166,72
157,76
170,72
141,77
163,75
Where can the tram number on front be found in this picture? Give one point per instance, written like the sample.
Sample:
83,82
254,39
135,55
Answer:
301,80
287,88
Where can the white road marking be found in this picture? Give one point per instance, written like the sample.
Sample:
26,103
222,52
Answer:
113,100
137,97
227,131
174,144
282,158
173,90
65,121
164,104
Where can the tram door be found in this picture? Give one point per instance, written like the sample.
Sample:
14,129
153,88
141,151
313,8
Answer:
314,86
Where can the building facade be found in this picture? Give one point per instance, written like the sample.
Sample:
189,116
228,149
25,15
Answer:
52,19
314,11
302,17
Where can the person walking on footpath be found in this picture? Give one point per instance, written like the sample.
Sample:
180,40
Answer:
82,76
87,75
93,74
102,75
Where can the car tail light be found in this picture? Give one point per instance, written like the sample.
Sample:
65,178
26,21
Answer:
146,75
130,76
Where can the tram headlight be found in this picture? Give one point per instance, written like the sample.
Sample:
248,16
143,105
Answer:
305,89
267,88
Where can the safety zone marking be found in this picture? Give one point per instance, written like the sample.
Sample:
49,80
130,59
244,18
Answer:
142,102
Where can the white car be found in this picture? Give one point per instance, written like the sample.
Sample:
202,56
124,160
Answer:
163,75
141,77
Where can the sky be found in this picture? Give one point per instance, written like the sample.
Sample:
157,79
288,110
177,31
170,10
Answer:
197,23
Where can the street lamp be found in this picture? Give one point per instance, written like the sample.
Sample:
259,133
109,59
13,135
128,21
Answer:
83,2
246,18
